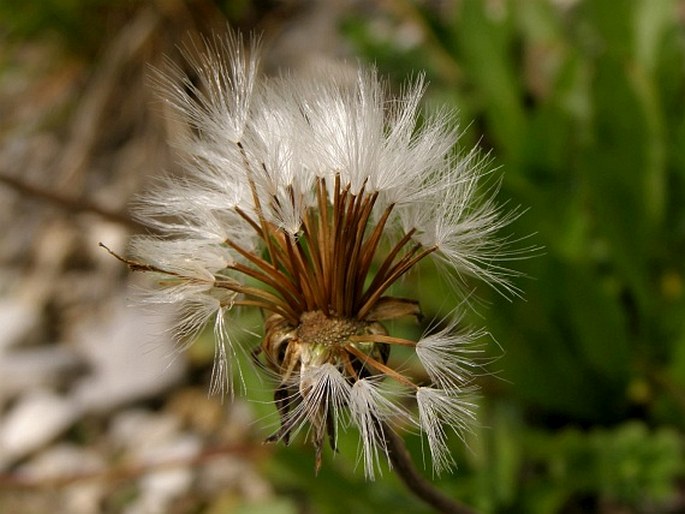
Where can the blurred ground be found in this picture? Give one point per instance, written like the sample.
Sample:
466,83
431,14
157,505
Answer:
99,413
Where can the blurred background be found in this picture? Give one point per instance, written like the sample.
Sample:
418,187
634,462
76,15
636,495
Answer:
582,106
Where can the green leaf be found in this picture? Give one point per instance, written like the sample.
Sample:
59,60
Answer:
484,37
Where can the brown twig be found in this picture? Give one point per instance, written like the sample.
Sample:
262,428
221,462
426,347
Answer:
404,467
69,203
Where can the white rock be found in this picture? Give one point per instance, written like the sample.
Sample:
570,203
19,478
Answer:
130,355
62,460
67,461
31,368
160,488
37,418
230,472
134,429
16,319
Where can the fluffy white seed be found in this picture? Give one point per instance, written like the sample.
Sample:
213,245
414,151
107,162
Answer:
439,410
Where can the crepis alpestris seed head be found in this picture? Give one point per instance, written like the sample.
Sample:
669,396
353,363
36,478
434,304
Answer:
309,198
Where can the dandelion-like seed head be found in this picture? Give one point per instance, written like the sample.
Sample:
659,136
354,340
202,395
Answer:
308,198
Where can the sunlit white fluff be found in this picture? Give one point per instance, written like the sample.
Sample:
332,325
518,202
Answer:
450,356
265,161
371,408
323,388
194,257
217,99
221,381
441,410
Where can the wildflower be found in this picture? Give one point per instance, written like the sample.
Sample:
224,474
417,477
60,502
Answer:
308,199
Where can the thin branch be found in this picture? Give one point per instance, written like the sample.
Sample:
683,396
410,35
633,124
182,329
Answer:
415,482
70,203
265,299
139,266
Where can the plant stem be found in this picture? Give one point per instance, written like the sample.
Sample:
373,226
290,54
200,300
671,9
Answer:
404,467
69,203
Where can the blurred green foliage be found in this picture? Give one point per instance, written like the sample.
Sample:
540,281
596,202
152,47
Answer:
582,104
78,24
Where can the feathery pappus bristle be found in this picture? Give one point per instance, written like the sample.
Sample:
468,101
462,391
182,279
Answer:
308,198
